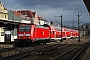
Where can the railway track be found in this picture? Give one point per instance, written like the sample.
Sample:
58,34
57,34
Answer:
72,53
62,54
8,52
48,55
4,52
45,52
24,54
58,54
75,57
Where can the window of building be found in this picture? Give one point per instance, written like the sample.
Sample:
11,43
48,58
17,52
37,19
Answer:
2,33
0,15
1,4
5,16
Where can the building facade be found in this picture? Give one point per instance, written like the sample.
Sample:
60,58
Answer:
3,16
42,21
30,16
3,12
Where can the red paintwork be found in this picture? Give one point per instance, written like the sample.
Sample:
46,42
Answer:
41,32
53,34
24,33
35,33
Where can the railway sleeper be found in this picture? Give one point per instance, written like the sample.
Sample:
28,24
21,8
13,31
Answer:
45,51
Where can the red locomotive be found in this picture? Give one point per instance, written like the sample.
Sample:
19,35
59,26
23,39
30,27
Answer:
42,33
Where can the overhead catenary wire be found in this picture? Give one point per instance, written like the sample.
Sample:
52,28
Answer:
38,7
49,12
75,5
55,18
78,10
81,20
84,18
72,18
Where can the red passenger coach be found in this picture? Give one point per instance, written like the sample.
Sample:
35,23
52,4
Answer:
56,33
76,33
67,33
33,33
72,32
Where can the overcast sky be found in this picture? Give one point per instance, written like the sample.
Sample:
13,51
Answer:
50,8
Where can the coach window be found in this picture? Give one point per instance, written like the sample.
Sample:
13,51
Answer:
52,32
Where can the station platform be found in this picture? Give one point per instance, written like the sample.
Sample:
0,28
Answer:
6,44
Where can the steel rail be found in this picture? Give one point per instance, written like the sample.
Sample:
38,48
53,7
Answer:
24,54
80,51
64,53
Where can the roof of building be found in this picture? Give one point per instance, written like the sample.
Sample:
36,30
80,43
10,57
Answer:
29,13
17,13
25,17
40,18
87,3
5,8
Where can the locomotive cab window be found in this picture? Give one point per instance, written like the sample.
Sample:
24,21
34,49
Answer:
25,28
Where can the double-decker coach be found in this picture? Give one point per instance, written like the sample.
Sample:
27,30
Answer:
67,33
72,33
76,33
56,33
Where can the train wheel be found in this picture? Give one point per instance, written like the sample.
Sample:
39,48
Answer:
44,42
48,41
38,42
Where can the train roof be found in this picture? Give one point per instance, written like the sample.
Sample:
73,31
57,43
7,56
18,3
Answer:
26,24
63,28
56,28
42,26
46,25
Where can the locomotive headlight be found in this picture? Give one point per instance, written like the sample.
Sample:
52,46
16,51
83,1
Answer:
19,37
20,34
27,34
